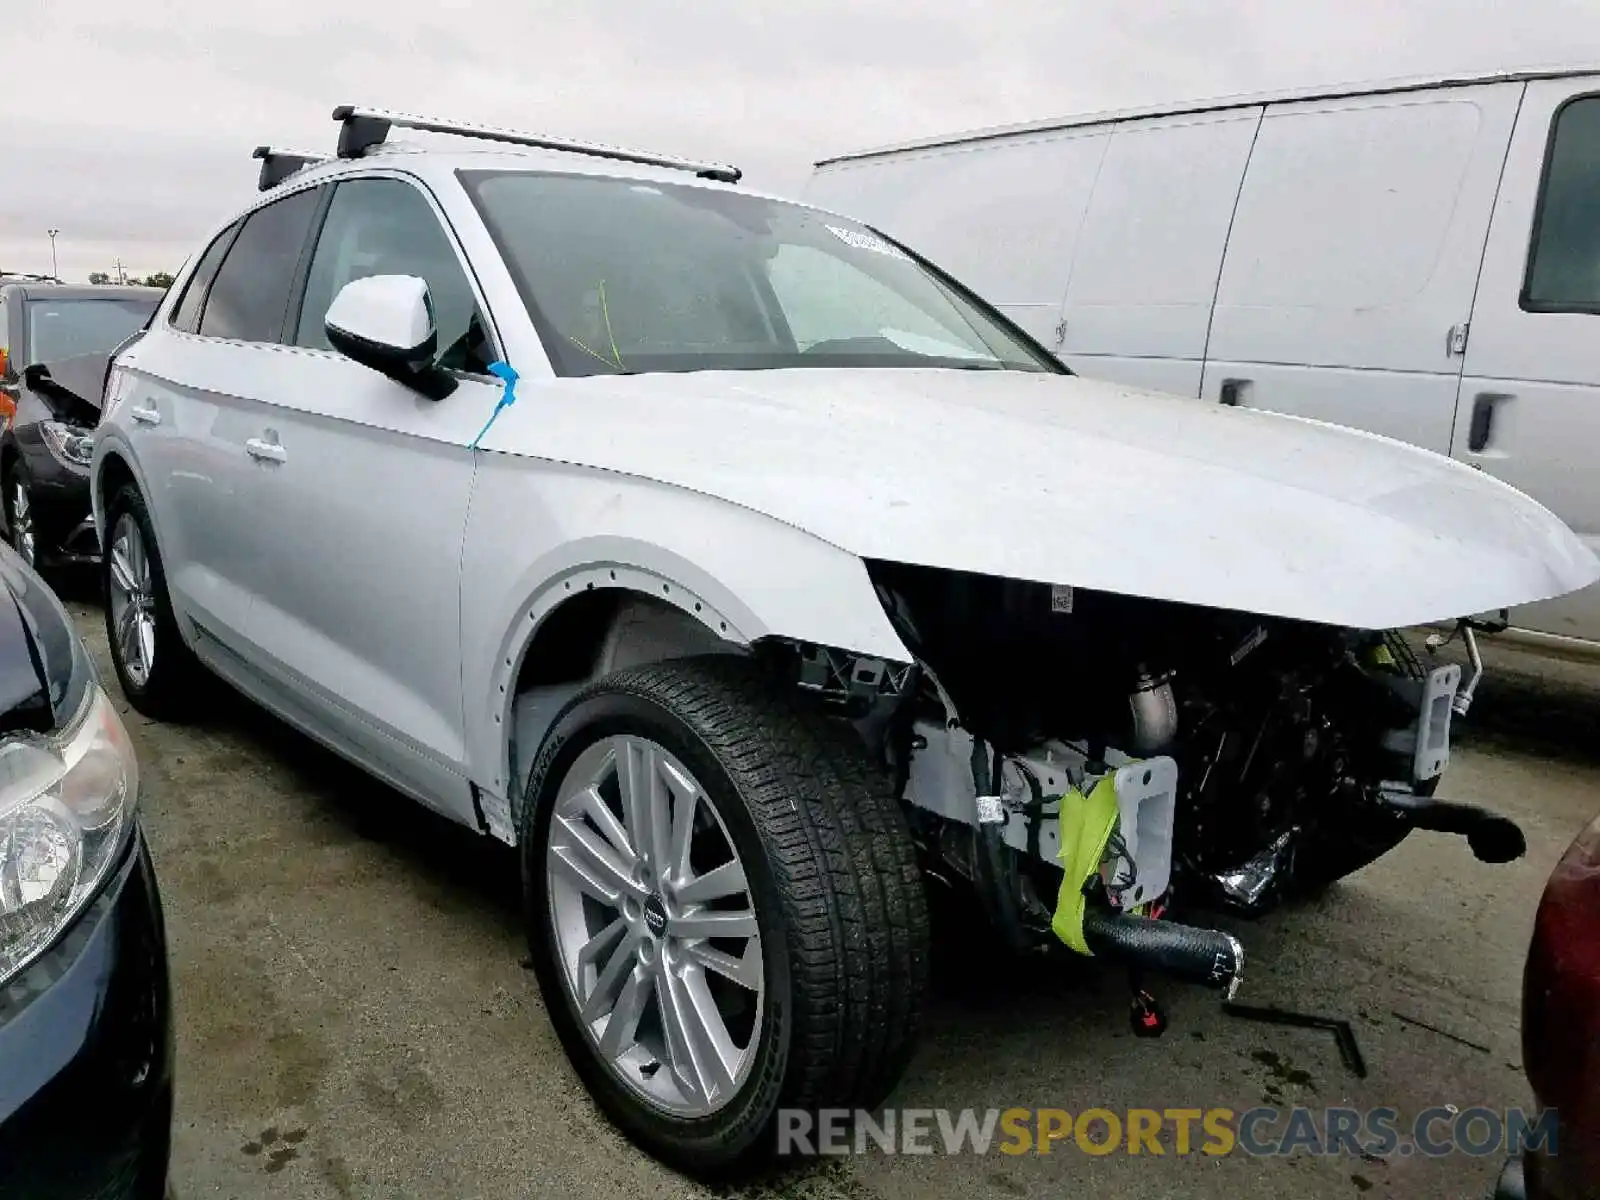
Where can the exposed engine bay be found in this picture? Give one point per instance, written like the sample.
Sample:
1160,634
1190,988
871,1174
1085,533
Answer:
1245,759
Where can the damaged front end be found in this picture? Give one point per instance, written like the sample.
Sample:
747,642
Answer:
1083,760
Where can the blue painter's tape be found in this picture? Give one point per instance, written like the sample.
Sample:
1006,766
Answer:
507,374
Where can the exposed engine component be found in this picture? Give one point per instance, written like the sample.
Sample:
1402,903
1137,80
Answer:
1155,714
1289,740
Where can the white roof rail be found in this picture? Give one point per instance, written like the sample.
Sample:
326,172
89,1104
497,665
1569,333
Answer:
278,165
363,128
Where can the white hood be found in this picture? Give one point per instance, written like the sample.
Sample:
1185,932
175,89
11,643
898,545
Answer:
1064,480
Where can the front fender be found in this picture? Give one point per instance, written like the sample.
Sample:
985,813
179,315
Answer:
538,533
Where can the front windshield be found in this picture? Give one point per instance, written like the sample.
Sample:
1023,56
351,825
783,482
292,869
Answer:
59,329
623,276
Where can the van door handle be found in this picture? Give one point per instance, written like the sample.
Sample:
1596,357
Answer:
1234,390
1481,430
145,416
265,450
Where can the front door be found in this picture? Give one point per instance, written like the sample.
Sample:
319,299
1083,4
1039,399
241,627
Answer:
1529,407
365,490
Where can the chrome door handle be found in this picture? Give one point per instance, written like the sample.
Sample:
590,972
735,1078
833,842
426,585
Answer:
263,449
145,416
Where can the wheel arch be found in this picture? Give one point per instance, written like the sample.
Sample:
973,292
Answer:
584,622
112,471
603,603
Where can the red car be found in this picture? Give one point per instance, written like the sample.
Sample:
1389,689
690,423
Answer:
1561,1031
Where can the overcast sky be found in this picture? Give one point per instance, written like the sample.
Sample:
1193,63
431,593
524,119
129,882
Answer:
128,125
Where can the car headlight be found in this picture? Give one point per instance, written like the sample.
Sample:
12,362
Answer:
66,805
70,443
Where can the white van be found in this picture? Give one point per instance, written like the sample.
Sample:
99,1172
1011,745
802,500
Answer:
1419,259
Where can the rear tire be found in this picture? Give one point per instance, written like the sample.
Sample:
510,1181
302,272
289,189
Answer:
831,878
22,528
157,670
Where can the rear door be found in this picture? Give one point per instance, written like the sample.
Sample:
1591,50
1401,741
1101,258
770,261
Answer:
1354,254
194,402
1529,408
363,504
1003,216
1138,304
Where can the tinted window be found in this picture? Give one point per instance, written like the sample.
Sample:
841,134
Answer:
1564,267
387,227
625,276
250,295
59,329
186,315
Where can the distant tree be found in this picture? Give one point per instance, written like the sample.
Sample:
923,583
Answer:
161,279
99,277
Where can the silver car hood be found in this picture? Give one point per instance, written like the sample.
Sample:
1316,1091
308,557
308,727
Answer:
1064,480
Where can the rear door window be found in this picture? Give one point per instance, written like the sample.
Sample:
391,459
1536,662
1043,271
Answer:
1564,263
250,296
186,316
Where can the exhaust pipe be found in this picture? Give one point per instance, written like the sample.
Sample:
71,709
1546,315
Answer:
1205,956
1493,838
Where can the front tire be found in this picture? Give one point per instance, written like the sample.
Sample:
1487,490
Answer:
727,876
157,670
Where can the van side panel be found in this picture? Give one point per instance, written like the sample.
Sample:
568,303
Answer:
1355,250
1529,409
1138,305
1003,217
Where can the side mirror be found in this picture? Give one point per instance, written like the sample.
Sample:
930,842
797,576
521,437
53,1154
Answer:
386,322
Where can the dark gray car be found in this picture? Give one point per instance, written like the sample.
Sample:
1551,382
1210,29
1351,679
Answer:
55,341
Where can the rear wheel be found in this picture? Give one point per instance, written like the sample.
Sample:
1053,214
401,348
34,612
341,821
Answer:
158,672
20,517
723,907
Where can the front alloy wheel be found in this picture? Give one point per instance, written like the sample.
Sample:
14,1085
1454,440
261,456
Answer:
132,602
723,906
654,926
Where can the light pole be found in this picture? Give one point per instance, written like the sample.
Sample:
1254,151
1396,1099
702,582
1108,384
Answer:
55,271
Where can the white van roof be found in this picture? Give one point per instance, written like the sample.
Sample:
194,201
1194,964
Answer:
1183,108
